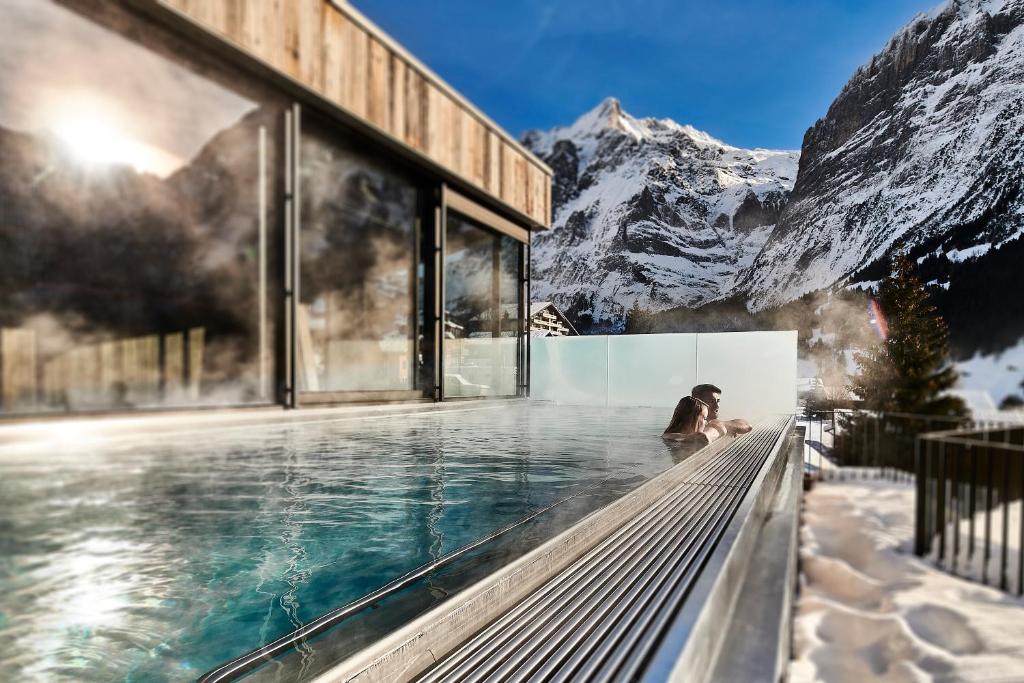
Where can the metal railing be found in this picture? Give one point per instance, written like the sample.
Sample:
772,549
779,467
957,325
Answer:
968,476
842,444
969,512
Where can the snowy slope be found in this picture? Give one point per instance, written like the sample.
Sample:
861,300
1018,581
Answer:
869,610
923,149
649,211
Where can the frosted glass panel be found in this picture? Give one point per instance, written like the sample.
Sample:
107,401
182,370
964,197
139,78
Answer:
480,366
651,369
755,370
570,370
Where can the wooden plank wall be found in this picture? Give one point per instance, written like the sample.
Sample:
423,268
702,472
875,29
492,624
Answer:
329,49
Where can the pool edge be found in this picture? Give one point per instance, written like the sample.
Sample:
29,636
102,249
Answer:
419,644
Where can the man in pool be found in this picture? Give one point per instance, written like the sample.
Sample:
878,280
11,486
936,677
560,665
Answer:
712,396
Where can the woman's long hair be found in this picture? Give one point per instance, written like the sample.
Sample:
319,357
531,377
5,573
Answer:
686,416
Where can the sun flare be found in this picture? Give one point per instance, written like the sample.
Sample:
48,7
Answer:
93,137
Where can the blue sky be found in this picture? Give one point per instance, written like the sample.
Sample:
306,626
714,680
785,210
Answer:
754,74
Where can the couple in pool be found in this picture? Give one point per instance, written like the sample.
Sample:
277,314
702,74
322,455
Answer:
695,420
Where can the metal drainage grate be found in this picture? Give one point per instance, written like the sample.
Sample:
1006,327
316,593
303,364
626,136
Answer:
604,616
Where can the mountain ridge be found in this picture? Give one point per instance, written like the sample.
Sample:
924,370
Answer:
649,212
922,151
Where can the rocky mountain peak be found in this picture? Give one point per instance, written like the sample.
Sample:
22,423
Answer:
649,211
920,151
607,114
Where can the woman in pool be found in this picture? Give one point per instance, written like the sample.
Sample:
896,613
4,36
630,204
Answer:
690,423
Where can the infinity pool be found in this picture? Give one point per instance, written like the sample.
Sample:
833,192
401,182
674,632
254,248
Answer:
160,558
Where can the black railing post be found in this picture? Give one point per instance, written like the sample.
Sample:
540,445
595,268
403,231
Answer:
880,472
864,457
821,441
986,554
940,502
954,499
841,452
972,504
920,531
1005,496
1020,541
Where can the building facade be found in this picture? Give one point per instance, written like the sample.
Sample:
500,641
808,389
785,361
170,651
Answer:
547,321
250,202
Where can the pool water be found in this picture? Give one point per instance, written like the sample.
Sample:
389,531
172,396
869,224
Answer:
161,558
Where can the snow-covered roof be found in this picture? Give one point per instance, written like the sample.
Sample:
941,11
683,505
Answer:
983,407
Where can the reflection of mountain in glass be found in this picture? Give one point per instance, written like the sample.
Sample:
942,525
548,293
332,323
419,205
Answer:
95,253
358,254
468,284
357,239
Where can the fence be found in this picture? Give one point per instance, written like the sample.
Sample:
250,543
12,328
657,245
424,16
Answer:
113,373
969,516
968,474
860,443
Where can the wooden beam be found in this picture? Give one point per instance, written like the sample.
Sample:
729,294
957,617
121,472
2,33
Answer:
467,207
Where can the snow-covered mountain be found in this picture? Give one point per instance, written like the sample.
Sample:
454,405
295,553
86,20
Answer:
923,150
649,211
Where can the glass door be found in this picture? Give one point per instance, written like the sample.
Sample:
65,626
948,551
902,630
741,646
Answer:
355,323
483,310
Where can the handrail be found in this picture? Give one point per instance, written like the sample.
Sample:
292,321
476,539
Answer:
942,437
965,485
881,443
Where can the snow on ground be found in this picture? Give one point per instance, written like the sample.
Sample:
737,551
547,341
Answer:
999,374
818,443
869,610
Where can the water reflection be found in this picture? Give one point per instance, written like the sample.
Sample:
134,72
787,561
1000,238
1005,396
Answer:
133,205
160,560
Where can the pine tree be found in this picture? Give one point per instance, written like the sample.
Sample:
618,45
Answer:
908,371
639,320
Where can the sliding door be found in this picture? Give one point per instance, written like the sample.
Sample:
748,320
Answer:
355,325
483,310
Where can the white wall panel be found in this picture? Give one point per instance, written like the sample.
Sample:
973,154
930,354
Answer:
573,371
651,369
755,370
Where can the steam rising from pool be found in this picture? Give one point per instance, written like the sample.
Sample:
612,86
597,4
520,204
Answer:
162,557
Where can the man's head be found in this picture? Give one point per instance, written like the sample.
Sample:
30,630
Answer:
711,395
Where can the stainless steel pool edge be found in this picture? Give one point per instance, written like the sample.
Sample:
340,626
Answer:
416,646
692,644
759,638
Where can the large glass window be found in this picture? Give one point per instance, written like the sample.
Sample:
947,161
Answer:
482,310
356,322
137,192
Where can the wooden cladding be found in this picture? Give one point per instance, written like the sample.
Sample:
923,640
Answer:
334,51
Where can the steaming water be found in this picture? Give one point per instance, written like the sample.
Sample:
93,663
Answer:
159,559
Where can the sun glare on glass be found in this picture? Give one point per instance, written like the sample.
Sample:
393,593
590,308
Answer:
93,137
